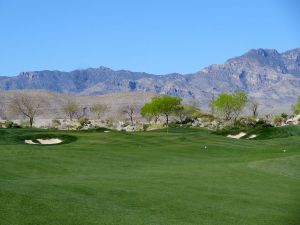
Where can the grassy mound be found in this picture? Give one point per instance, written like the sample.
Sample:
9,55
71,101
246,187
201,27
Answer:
276,132
263,132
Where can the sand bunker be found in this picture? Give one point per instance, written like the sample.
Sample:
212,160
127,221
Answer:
238,136
51,141
252,136
30,142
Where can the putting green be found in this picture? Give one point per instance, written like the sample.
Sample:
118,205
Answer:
185,177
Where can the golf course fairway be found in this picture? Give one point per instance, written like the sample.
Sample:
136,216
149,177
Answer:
183,177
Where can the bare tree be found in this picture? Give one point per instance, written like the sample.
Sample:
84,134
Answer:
83,113
129,110
71,108
26,105
2,106
253,105
98,109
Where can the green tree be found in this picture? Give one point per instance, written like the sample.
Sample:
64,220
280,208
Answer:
150,111
162,105
231,105
296,107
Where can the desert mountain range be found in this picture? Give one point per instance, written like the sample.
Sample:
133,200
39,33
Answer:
270,77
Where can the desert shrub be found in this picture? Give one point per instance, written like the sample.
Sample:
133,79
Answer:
146,126
263,123
284,116
24,124
196,114
245,122
9,124
84,122
126,123
109,122
278,120
79,127
208,118
173,124
72,127
56,122
187,120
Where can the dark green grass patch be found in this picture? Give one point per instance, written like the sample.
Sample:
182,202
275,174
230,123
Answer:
263,132
12,136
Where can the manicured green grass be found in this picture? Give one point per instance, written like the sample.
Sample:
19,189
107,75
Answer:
151,178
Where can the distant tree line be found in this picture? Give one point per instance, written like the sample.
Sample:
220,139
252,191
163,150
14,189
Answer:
227,106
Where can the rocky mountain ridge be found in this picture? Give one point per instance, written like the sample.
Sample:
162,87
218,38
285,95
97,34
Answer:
271,77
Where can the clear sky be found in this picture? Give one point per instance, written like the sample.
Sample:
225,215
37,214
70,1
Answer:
154,36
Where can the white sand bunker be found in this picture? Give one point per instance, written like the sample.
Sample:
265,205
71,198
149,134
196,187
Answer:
30,142
238,136
51,141
252,136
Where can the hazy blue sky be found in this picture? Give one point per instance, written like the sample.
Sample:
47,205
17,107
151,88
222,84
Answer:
155,36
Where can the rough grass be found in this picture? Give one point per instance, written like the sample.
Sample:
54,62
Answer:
150,178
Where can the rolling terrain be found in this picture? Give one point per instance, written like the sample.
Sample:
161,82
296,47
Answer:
150,178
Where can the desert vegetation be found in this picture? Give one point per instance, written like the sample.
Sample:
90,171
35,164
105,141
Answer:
27,106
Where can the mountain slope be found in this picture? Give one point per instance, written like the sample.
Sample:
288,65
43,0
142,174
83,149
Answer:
265,74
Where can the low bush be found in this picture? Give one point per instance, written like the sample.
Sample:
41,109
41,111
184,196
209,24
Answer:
207,118
24,124
84,122
263,123
9,124
244,124
278,120
56,122
175,124
109,122
146,126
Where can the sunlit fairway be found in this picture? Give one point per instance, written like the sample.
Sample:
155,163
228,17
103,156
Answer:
153,178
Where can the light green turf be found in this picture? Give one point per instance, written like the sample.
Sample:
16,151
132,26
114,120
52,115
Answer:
151,178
